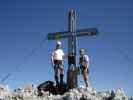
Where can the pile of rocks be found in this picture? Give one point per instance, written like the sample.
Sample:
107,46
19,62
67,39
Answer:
80,93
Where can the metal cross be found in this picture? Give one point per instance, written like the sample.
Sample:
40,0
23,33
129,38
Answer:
72,35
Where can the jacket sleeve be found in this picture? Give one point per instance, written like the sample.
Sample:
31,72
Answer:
87,59
63,54
52,59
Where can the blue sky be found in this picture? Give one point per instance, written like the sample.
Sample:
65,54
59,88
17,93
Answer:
24,24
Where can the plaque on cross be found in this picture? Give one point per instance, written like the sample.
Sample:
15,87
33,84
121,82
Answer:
72,35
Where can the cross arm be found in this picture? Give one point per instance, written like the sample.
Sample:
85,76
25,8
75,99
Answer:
79,33
87,32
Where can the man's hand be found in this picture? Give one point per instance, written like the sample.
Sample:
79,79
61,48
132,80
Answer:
65,56
84,64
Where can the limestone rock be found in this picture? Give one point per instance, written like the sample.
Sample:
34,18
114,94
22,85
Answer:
80,93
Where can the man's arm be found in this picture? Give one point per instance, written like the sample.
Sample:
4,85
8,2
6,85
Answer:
52,59
87,60
64,55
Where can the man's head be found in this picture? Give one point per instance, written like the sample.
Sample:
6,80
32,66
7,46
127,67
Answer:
58,45
82,51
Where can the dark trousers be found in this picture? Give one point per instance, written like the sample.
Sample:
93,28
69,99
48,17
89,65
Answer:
58,69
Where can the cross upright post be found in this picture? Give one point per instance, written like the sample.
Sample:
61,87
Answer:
71,74
72,35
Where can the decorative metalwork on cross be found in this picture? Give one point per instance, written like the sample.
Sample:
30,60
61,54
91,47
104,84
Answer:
72,35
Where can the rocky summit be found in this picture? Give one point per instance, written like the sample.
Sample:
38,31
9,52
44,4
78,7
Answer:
80,93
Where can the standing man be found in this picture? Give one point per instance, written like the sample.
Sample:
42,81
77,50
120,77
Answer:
84,64
57,63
